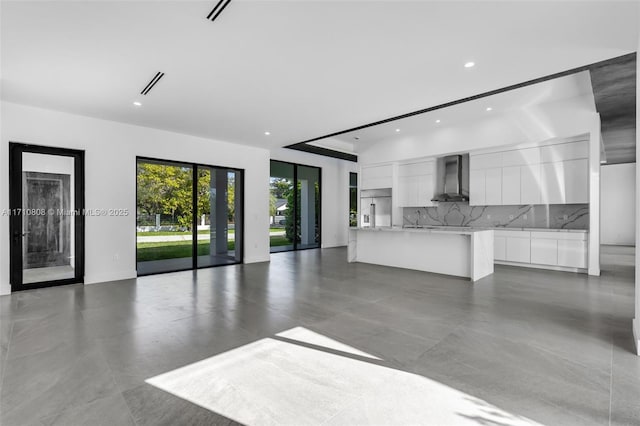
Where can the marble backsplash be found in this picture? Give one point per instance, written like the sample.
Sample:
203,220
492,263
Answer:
555,216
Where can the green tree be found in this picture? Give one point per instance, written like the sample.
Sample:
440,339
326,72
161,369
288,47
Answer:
165,190
231,196
280,187
272,205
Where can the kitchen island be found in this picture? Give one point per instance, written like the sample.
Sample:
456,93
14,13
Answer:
462,252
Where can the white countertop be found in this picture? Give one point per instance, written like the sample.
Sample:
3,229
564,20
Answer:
444,230
465,230
545,229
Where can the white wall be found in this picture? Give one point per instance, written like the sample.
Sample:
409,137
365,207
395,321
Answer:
110,161
618,204
335,192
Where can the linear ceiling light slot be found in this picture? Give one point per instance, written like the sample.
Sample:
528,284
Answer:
218,10
152,83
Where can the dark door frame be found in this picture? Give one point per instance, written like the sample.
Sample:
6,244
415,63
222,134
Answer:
15,219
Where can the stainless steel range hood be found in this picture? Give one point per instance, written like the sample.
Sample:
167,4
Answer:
452,178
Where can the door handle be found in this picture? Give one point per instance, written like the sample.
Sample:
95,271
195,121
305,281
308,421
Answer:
17,235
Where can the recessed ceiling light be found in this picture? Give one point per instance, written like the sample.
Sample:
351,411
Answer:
267,133
437,121
397,130
469,64
136,103
489,108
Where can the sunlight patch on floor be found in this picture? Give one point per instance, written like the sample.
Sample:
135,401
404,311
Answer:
274,382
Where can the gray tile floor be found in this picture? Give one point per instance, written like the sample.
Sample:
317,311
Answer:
554,347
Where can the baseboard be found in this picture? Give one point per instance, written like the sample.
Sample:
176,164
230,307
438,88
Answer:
536,266
336,246
636,334
594,272
102,278
257,259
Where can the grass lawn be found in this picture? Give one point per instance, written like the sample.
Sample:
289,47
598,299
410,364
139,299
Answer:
178,249
279,240
172,250
203,231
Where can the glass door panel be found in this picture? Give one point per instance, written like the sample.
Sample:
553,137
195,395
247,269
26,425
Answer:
219,216
47,202
164,227
282,206
308,211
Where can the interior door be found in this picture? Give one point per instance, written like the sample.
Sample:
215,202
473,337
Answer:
46,197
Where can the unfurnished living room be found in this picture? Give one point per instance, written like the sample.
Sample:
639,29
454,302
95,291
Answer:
277,212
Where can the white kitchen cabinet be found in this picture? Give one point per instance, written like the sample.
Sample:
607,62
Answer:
519,248
416,184
565,182
374,177
412,190
425,188
544,251
576,181
552,183
541,248
552,174
404,184
485,187
511,185
419,168
499,248
477,193
493,186
521,157
485,161
530,186
564,152
572,253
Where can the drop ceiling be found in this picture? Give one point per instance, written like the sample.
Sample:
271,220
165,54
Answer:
295,69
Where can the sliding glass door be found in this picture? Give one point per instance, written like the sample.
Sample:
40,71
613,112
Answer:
295,206
169,236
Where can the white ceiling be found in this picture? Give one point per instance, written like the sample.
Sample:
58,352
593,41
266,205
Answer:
524,98
299,69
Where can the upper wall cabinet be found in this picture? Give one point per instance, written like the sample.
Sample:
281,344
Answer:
565,182
485,179
416,184
553,174
374,177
